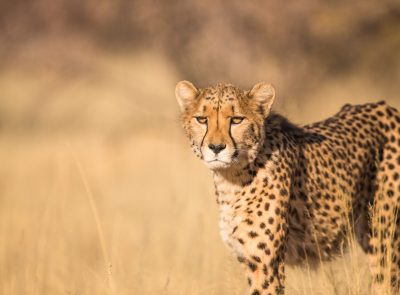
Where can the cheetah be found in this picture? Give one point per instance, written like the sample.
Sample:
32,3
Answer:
285,192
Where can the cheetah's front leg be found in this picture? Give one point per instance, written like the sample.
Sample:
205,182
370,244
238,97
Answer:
263,242
266,275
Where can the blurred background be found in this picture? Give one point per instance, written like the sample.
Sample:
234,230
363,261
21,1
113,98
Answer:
99,191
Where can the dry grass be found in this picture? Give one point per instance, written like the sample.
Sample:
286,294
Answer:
103,196
139,236
144,236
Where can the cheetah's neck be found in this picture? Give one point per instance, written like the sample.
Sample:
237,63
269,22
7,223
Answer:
230,183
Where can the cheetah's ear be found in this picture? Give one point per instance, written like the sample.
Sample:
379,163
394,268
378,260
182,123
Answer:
264,96
185,93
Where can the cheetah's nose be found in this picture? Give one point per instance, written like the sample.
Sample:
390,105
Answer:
216,148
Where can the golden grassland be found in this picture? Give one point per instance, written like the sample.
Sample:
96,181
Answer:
157,228
100,193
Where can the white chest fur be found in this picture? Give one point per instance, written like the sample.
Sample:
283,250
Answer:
229,218
233,206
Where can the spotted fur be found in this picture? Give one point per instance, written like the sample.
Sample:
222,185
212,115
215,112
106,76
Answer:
286,193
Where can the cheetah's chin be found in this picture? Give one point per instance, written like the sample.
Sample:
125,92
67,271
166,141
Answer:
217,164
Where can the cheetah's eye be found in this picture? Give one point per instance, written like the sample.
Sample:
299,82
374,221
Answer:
201,120
236,120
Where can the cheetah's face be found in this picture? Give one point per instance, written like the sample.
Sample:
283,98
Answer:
224,124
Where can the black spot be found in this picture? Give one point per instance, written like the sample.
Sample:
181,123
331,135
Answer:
253,234
248,221
265,285
256,258
283,192
241,259
261,246
396,176
252,266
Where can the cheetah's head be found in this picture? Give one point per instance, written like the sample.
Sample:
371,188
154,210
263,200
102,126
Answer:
225,125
